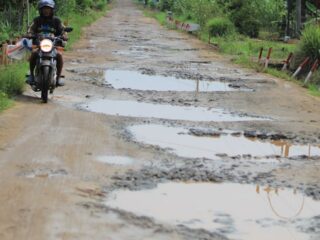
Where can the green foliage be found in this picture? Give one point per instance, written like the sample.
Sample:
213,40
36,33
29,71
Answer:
310,41
165,5
12,78
82,5
220,26
5,30
244,14
199,10
5,102
308,46
65,8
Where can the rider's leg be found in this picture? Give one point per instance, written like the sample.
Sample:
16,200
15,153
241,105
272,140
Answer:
59,69
32,65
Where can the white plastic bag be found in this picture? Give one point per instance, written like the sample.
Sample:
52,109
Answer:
19,50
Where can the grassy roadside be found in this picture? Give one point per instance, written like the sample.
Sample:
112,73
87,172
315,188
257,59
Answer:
245,51
12,77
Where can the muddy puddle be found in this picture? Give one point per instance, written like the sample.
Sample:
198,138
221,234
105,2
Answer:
162,111
180,142
116,160
121,79
237,211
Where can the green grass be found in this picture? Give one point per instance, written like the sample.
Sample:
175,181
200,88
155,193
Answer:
5,101
159,16
242,46
12,78
314,90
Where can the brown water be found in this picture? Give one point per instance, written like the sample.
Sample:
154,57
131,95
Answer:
134,80
185,145
162,111
238,211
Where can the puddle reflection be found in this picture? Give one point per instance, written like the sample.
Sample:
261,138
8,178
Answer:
120,79
148,110
181,143
234,210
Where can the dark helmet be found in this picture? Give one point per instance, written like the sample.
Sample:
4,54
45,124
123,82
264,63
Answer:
46,3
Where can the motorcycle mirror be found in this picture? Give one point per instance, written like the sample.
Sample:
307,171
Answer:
68,29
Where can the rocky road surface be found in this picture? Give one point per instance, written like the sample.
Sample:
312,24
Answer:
54,181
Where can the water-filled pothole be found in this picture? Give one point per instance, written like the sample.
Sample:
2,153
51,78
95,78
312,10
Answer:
180,142
162,111
116,160
120,79
233,210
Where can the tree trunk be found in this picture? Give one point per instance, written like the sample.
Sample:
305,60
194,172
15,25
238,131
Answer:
298,9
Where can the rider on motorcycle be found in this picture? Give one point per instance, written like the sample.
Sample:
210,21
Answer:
46,23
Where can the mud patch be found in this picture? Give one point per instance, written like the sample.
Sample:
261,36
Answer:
121,79
234,210
214,144
116,160
161,111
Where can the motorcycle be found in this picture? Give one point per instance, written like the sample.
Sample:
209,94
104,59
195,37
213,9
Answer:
45,76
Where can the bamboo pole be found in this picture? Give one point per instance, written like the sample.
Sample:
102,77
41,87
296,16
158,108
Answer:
301,66
313,69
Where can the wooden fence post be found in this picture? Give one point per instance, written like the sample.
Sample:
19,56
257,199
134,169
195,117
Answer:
260,55
286,62
268,58
4,54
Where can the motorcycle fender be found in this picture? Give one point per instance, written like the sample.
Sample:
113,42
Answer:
46,63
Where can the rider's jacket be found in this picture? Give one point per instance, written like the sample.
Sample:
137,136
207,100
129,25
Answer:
44,25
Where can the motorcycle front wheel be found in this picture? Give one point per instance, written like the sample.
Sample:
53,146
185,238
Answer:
45,74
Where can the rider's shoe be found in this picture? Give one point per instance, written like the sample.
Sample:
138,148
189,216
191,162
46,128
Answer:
30,80
60,82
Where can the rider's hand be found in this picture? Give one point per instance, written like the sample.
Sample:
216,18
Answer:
65,37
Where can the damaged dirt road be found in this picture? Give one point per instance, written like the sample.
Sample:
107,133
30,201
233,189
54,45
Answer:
156,136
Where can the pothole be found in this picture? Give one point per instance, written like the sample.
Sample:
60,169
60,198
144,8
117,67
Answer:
162,111
184,143
121,79
116,160
237,211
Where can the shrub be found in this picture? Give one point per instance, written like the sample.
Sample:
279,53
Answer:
100,5
165,5
244,15
310,41
83,5
64,8
309,45
250,27
220,26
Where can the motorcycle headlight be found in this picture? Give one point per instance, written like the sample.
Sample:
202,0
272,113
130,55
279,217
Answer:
46,45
